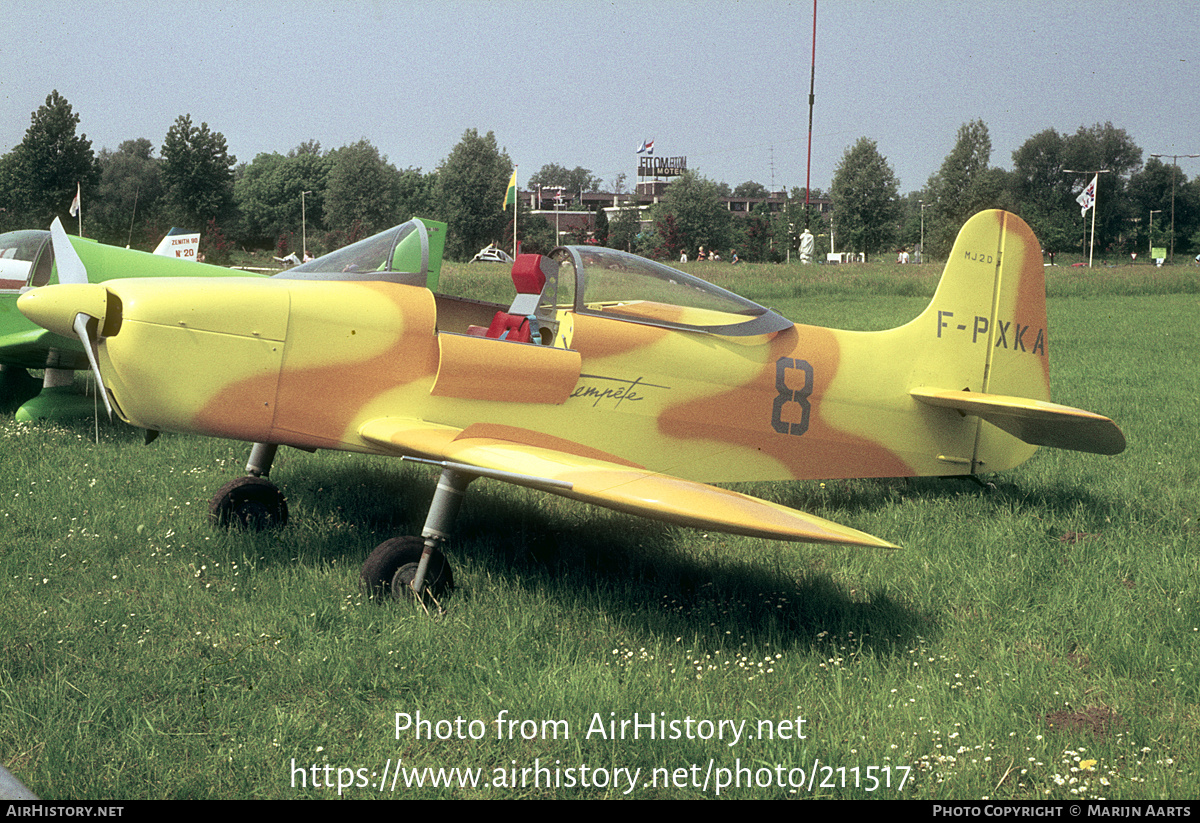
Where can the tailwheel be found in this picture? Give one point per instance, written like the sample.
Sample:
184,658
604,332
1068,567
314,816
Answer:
392,567
250,503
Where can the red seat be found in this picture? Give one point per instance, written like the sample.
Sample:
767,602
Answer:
507,326
529,281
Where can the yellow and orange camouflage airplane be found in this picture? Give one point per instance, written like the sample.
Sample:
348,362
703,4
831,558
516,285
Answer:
611,379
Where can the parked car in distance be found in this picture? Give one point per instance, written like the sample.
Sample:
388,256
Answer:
491,254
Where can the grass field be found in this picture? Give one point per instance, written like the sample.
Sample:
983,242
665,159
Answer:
1037,641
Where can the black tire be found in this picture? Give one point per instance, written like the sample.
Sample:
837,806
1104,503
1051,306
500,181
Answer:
17,386
250,503
392,566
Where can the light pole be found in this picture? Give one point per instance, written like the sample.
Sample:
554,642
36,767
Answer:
558,199
303,226
1174,174
921,254
1095,199
1152,213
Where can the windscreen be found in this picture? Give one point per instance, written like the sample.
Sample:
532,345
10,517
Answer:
19,251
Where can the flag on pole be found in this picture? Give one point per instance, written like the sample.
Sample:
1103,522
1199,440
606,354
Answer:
75,202
510,194
1088,198
647,147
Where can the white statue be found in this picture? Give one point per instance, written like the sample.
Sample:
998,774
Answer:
806,246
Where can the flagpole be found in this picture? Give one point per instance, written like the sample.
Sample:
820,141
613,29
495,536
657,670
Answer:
1092,244
511,189
1095,198
133,217
76,209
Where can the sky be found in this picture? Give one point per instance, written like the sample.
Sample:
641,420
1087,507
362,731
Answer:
584,83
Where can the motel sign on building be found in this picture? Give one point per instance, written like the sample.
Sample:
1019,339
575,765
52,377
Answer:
661,166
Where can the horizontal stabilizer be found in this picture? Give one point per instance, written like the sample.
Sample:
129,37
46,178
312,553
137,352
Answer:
1033,421
614,485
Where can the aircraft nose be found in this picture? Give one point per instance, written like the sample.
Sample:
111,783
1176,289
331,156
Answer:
56,307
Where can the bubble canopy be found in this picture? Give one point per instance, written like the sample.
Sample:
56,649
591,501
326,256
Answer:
400,254
615,284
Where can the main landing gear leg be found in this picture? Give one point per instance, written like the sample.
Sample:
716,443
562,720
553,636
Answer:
261,458
451,488
404,566
415,566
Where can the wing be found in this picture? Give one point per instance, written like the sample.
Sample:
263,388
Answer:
529,458
37,348
1033,421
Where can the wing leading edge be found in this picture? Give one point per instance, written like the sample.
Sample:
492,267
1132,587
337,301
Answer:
605,480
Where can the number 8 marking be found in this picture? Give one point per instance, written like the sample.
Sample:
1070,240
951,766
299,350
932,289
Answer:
786,395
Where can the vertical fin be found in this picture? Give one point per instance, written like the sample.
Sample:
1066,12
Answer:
987,326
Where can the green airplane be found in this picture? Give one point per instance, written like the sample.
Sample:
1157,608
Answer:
27,261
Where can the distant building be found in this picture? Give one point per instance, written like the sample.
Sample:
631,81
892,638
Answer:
572,219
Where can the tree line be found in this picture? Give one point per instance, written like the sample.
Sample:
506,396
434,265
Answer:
322,199
1135,200
308,197
1138,203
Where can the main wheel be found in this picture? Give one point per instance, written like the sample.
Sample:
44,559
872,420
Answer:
392,566
17,386
250,503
